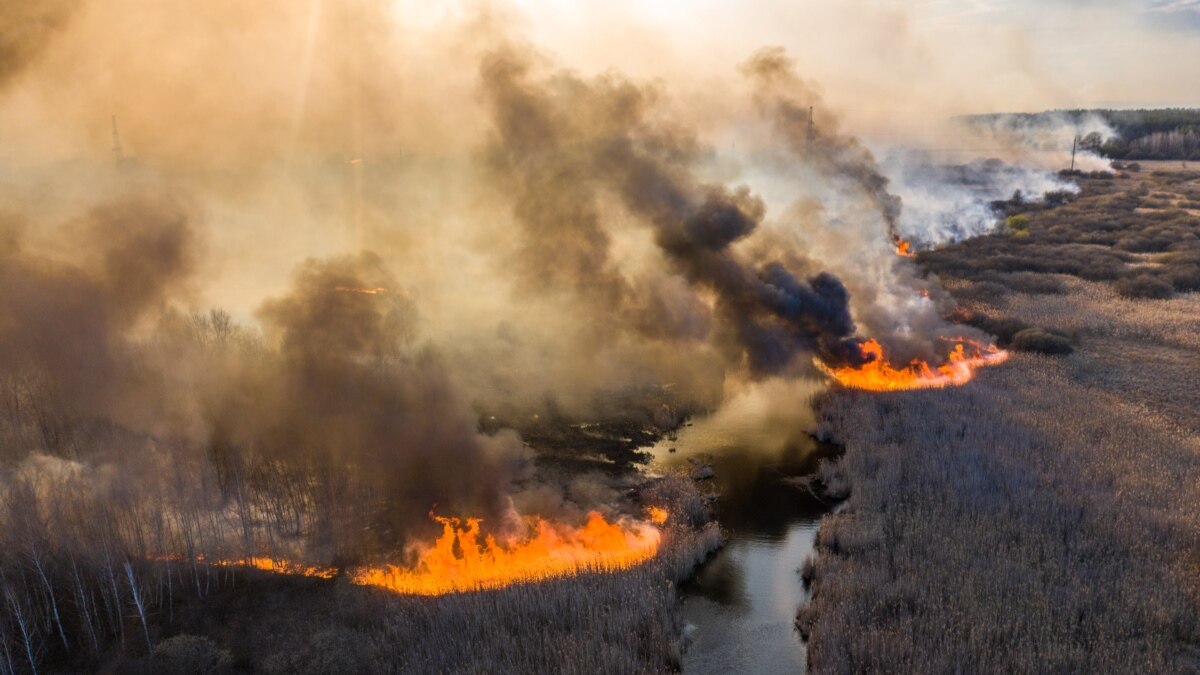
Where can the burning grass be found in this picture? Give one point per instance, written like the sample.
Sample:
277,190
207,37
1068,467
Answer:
463,560
879,374
607,601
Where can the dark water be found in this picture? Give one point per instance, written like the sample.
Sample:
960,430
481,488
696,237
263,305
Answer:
740,607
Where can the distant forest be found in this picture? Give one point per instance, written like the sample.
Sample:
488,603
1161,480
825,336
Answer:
1167,133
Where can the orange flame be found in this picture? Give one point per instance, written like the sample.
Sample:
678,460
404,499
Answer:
657,515
264,563
880,375
458,561
281,566
365,291
903,248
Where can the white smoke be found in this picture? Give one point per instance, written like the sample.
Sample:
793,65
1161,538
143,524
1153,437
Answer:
944,203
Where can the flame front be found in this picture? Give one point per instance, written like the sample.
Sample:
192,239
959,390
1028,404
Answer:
461,561
904,248
880,375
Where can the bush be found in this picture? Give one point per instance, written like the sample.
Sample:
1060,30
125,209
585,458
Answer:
1041,341
1144,286
1003,327
329,652
190,655
1185,278
1017,224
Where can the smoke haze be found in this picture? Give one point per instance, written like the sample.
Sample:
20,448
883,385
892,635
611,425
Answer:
340,238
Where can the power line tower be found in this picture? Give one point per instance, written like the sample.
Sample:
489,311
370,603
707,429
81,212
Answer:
812,132
118,153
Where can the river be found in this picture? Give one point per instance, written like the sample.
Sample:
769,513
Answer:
740,607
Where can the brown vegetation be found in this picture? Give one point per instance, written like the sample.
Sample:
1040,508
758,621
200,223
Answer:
77,594
1045,517
1127,231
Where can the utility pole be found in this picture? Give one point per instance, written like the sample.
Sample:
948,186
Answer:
812,132
1074,142
118,154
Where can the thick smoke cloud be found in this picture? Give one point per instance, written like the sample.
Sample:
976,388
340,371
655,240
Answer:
564,141
791,105
526,244
67,323
351,389
338,388
27,28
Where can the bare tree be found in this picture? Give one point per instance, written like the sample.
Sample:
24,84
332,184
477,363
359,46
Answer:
137,602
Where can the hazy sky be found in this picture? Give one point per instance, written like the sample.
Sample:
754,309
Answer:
887,57
261,108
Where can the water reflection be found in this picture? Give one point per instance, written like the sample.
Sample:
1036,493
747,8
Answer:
741,605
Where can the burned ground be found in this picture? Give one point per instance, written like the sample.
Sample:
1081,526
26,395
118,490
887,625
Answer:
1044,517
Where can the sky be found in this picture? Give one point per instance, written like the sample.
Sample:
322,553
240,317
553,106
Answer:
893,59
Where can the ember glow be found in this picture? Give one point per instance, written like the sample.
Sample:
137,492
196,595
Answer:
904,248
657,516
281,566
463,560
880,375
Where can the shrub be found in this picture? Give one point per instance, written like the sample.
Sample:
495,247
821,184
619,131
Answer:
1041,341
329,652
1018,224
1185,278
1003,327
1144,286
190,655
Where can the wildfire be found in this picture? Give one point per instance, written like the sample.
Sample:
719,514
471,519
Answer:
880,375
904,248
461,561
657,516
281,566
365,291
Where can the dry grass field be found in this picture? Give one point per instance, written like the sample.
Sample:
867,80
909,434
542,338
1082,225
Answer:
1045,517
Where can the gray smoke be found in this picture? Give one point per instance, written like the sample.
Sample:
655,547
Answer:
562,143
787,100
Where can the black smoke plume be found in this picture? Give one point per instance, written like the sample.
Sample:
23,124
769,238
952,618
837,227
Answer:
336,404
564,144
